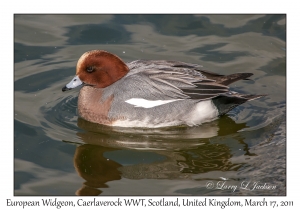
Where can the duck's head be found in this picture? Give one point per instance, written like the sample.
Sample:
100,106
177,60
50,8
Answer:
99,69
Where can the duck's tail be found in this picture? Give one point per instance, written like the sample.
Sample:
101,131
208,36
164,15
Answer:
227,102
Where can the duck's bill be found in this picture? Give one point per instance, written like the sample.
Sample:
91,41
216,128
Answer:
75,82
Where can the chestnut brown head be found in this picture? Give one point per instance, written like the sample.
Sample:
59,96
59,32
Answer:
99,69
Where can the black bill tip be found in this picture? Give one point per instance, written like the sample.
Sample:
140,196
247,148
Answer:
65,89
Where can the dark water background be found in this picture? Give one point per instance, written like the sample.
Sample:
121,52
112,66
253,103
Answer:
55,153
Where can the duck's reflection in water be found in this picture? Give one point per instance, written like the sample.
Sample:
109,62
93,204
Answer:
171,153
94,168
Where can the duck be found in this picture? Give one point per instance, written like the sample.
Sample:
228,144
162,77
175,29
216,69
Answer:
151,93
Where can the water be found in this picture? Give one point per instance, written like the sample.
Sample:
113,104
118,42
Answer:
55,153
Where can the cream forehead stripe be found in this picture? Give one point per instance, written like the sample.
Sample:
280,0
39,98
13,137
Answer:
140,102
81,59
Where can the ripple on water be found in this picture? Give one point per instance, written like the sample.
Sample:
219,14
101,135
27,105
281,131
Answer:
59,117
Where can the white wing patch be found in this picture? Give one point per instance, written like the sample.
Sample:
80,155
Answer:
140,102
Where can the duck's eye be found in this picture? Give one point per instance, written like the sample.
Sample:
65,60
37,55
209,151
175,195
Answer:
89,69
